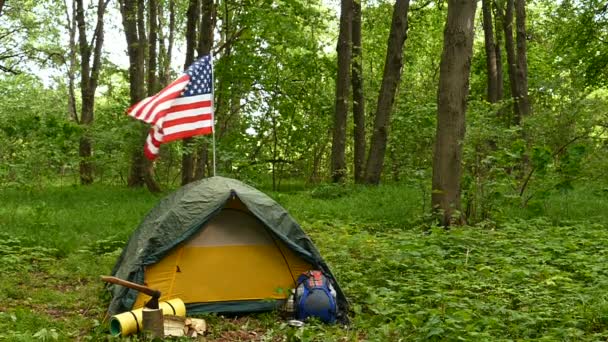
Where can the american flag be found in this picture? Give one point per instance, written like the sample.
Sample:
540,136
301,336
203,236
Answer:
182,110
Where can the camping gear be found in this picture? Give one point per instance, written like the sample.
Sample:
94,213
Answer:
149,319
295,323
176,326
152,322
315,297
220,246
131,322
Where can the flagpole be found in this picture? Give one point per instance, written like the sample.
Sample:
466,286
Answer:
214,148
213,97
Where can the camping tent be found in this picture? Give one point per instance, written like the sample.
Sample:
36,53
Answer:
220,246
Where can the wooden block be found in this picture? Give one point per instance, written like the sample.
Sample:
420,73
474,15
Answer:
174,326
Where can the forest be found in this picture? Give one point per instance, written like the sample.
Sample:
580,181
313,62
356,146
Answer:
447,157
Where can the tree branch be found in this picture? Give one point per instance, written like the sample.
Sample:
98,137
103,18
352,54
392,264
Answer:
560,150
229,41
9,70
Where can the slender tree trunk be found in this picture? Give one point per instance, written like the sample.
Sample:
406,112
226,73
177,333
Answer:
128,9
71,26
191,42
386,97
522,59
141,31
358,95
451,107
490,46
166,51
1,6
88,82
132,13
84,150
507,21
153,85
338,157
205,44
498,53
201,163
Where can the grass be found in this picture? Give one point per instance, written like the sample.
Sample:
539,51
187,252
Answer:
534,275
66,218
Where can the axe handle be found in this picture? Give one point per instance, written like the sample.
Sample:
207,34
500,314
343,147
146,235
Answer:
143,289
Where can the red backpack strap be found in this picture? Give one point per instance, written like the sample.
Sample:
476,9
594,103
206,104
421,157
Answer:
315,279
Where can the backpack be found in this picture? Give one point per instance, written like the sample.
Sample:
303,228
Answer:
315,297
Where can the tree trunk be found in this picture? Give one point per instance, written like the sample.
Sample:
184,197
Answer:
201,162
191,43
522,59
338,158
141,31
490,46
152,43
498,53
166,52
71,26
141,171
1,6
451,107
128,10
205,44
386,97
358,95
88,82
205,41
507,22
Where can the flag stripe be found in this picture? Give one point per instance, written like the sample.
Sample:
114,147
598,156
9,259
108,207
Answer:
207,129
151,113
156,136
144,110
173,105
198,107
136,108
186,114
170,131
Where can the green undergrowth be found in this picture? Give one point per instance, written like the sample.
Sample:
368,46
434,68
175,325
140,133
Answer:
66,218
522,278
396,204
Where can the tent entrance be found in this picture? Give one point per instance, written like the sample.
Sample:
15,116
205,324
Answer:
232,258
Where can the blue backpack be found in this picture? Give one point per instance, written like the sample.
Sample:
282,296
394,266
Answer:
315,297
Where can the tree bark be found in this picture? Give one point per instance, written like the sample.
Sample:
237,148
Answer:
522,59
141,31
490,47
358,95
1,6
507,21
141,171
451,107
498,53
153,85
338,157
192,18
71,26
205,45
88,82
166,51
386,97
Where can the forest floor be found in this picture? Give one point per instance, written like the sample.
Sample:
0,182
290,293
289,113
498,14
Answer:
525,276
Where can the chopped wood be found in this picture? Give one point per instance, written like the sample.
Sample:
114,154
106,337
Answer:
176,326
